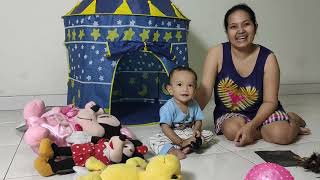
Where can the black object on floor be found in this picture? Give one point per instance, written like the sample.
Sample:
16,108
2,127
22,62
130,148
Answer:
311,163
283,158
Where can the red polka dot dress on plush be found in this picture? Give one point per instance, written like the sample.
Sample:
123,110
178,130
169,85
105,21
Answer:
81,152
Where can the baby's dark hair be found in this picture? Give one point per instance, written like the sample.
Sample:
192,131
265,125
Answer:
182,68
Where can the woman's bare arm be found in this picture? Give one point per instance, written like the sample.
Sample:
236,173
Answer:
209,74
271,81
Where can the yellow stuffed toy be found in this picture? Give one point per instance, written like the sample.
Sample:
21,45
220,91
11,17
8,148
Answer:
161,167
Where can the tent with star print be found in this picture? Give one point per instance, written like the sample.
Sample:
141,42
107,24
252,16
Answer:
120,53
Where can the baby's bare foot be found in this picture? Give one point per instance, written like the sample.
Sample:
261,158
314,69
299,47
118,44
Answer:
178,153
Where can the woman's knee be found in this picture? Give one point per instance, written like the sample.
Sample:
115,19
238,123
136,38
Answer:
279,133
231,126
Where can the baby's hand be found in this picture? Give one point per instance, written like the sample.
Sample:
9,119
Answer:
196,133
187,142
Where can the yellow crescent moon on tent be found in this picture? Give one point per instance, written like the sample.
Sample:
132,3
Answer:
164,90
144,90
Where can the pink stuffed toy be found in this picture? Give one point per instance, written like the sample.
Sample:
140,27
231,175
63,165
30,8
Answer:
268,171
56,124
96,124
60,122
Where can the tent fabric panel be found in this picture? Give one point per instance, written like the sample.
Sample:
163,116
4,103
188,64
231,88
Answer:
133,113
114,28
107,6
82,6
91,9
134,86
123,9
119,48
88,64
163,93
161,8
117,89
165,7
181,53
79,94
125,28
139,8
140,61
139,71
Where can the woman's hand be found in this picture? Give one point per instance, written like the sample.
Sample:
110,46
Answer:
246,135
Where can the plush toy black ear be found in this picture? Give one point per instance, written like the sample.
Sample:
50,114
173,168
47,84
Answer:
95,108
110,131
136,142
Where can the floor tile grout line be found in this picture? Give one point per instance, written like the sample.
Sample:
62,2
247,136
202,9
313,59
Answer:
10,110
4,123
244,158
14,155
233,152
227,151
21,177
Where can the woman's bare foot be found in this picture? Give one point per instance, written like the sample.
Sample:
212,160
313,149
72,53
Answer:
178,153
304,131
300,122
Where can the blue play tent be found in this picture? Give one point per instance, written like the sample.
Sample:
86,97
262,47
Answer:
120,53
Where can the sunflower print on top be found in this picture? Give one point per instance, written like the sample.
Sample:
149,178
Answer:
234,97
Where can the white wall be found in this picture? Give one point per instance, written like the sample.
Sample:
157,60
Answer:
33,58
288,27
32,55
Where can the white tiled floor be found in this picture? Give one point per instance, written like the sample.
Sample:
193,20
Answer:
220,161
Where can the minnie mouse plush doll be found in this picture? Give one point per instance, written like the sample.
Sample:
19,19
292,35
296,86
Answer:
60,160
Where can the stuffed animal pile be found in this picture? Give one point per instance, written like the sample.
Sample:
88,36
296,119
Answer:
61,160
161,167
60,122
65,137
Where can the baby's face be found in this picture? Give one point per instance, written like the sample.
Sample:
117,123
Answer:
182,86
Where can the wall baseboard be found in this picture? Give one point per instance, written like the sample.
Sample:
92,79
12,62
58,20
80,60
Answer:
18,102
292,89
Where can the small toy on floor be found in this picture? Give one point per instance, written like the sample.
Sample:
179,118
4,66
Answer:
197,144
311,163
